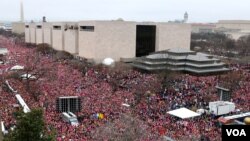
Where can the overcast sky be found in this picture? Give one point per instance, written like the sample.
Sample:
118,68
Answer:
135,10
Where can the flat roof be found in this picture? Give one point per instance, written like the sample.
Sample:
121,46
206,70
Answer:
180,50
183,113
234,22
238,116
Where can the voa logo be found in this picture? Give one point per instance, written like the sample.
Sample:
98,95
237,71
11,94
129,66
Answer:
236,132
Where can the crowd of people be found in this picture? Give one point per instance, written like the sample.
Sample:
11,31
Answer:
98,95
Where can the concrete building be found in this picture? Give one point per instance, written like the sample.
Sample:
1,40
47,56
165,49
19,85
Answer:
39,33
119,40
18,27
27,33
179,59
102,39
125,40
234,28
43,33
71,38
47,33
58,35
32,31
171,35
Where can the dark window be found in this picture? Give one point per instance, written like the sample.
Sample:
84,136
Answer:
39,26
27,26
145,39
56,27
87,28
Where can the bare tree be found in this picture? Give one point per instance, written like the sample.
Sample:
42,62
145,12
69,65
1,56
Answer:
126,128
34,70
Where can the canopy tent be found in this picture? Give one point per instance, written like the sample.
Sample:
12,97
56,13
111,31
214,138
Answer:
183,113
8,84
17,67
28,76
126,105
26,109
4,131
3,51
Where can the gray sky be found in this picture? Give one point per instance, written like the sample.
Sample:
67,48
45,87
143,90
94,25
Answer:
136,10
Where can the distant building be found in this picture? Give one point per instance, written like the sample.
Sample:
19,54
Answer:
119,40
6,26
18,27
184,20
185,17
233,28
203,28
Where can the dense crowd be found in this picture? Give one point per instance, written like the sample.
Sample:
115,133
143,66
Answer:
95,87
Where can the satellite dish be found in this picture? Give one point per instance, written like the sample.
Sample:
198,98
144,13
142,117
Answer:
108,61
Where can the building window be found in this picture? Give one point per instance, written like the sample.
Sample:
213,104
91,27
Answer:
56,27
27,26
39,27
87,28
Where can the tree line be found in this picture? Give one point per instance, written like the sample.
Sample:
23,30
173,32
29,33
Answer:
221,44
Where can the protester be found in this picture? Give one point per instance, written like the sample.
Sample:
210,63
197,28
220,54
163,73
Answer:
101,103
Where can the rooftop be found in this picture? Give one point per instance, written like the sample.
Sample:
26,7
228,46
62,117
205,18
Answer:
178,59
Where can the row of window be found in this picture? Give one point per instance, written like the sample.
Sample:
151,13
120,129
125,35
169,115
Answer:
56,27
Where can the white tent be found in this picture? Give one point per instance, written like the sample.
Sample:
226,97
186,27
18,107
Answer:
29,76
3,51
3,128
26,109
126,105
108,61
17,67
8,84
183,113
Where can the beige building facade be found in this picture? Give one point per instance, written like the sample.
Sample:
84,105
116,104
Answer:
32,30
18,27
27,33
170,35
234,28
97,40
58,35
102,39
71,38
39,33
47,33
